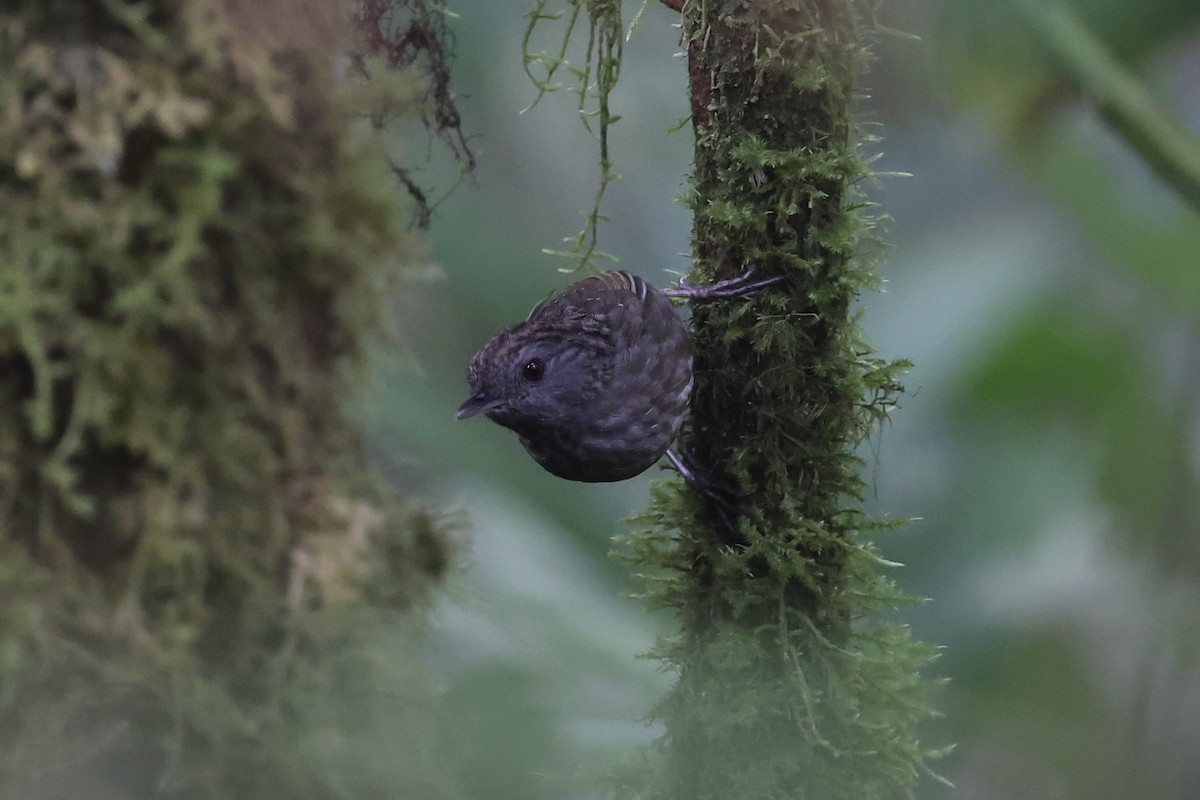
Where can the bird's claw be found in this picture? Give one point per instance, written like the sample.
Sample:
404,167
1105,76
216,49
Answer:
720,498
730,287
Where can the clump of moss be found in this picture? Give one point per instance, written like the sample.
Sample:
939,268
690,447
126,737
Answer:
196,249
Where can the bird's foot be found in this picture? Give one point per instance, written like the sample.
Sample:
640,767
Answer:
720,498
730,287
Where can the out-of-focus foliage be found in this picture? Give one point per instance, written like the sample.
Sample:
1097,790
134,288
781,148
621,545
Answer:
992,62
195,564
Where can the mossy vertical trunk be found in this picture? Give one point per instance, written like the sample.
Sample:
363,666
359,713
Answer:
194,250
788,684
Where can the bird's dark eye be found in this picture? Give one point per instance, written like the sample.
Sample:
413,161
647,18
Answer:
534,370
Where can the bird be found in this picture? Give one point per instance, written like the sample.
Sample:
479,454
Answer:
596,381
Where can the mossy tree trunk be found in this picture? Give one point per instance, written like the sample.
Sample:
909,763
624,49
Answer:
196,564
789,683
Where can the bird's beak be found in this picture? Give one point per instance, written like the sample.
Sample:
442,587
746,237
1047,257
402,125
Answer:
476,404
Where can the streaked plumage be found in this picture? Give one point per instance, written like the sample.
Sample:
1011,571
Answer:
595,382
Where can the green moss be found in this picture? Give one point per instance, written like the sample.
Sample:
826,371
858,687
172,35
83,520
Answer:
793,681
195,249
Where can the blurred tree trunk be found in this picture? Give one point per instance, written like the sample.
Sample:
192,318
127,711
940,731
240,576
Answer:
789,683
195,250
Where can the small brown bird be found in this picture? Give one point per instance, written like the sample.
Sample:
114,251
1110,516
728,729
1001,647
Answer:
596,381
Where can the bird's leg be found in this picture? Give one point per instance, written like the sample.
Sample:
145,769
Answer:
730,287
720,498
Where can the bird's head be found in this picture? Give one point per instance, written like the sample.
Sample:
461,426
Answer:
532,374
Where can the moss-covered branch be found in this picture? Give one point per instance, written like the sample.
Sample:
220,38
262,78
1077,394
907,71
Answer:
790,683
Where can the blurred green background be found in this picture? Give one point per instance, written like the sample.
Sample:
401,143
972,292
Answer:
1047,287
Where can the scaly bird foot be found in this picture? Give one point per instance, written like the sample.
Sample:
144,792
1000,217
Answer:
730,287
720,498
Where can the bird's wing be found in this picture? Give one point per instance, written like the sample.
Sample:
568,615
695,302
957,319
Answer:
594,302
